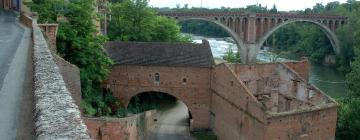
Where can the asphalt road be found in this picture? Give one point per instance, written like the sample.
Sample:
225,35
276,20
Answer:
14,47
172,124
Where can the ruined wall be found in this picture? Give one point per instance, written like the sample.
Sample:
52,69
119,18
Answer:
130,128
292,84
313,125
301,67
259,79
235,113
188,84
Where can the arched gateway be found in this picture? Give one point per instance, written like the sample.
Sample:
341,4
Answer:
181,70
251,30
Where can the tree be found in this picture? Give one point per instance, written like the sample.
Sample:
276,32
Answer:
348,124
273,9
78,43
232,57
133,20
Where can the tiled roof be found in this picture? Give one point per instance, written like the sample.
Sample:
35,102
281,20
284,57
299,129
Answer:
160,54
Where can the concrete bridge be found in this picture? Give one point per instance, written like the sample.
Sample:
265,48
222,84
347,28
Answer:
250,31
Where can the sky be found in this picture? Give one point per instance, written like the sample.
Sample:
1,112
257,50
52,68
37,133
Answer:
281,5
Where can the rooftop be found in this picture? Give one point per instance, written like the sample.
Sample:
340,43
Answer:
160,54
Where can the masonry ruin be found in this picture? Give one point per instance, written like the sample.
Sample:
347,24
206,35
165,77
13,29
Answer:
236,101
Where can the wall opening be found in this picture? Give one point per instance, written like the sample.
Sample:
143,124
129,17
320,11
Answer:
173,116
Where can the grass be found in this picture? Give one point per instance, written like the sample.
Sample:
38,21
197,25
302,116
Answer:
204,135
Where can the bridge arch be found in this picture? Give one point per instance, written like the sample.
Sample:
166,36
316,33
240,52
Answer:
328,32
224,23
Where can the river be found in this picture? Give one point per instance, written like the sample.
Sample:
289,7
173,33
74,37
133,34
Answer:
325,78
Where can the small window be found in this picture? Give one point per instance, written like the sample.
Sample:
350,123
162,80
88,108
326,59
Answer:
157,77
184,80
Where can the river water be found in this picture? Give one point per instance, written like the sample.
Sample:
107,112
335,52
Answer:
325,78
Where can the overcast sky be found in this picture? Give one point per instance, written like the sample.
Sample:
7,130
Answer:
282,5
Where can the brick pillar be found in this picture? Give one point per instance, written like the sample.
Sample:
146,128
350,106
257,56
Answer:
50,32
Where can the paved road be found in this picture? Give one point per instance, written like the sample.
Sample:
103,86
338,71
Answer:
14,45
172,124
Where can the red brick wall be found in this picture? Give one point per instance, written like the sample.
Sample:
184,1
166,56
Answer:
129,128
314,125
26,20
71,76
258,78
301,67
235,113
126,81
50,31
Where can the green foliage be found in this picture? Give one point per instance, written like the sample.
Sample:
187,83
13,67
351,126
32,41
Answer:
133,20
232,57
204,28
348,124
78,43
301,39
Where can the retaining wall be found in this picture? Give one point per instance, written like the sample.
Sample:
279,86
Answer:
56,114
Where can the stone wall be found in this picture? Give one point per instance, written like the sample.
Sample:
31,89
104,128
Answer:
129,128
57,116
189,84
70,72
235,113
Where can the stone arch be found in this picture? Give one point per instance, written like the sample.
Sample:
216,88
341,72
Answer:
188,102
164,91
328,32
217,20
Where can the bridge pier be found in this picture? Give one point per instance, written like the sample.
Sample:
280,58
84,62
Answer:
248,56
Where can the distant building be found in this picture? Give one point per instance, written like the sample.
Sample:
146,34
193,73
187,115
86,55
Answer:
10,4
236,101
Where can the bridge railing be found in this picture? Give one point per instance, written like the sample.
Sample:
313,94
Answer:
56,114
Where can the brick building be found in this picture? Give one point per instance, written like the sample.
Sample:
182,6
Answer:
236,101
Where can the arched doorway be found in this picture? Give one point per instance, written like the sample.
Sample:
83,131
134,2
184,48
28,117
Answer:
222,25
173,116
